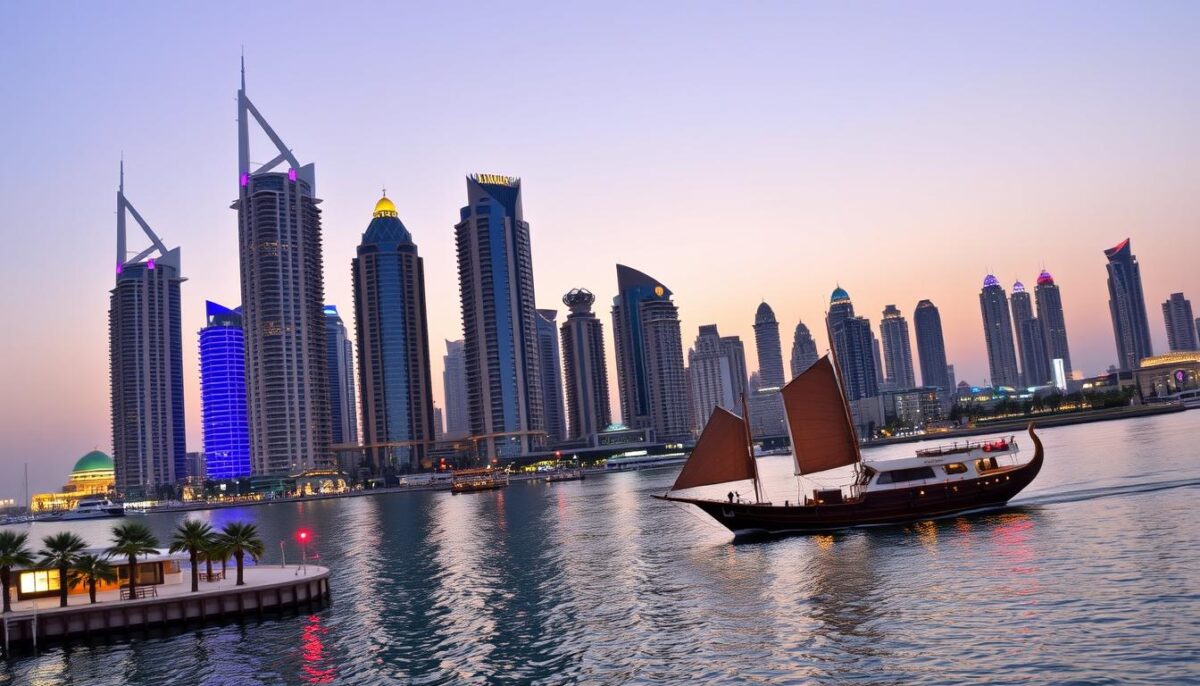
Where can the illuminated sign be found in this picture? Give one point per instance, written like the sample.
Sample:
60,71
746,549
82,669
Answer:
658,290
496,179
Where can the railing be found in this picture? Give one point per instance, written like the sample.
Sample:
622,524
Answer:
999,445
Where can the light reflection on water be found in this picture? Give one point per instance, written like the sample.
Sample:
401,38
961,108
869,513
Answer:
1090,576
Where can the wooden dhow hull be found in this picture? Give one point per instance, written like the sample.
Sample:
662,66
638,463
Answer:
896,506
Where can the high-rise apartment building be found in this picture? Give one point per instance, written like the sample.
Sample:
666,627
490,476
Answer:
392,328
283,298
804,350
897,350
650,373
454,387
998,334
588,406
768,347
1054,324
1181,328
223,411
145,347
1036,369
552,393
853,346
495,275
339,369
1127,307
931,346
716,374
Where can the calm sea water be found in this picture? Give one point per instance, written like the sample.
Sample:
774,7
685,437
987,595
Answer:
1092,576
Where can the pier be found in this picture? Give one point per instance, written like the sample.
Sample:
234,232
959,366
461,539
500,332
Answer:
267,589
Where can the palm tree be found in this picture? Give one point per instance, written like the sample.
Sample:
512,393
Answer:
217,550
242,538
90,569
60,552
131,540
193,536
13,553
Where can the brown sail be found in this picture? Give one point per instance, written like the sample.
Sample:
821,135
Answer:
721,455
819,420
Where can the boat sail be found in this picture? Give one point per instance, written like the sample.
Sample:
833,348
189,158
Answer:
818,420
722,455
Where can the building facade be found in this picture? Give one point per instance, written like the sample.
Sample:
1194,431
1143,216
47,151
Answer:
145,347
998,334
853,346
588,405
454,387
716,374
931,346
339,368
804,350
768,347
495,274
1127,307
392,328
650,374
1181,327
283,299
897,350
1036,369
223,412
552,393
1054,324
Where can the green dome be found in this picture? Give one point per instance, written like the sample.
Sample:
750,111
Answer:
93,461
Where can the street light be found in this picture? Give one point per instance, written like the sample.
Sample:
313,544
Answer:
303,535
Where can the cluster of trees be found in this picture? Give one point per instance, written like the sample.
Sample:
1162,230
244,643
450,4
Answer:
1052,402
65,552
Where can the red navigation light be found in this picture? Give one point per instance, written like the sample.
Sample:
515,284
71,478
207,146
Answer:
303,535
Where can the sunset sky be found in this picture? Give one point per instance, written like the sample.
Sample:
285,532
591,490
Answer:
735,151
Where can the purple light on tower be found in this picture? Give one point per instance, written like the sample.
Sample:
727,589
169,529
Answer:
292,174
150,263
245,180
118,267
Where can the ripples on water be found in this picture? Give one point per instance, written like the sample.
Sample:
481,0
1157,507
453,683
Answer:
1091,577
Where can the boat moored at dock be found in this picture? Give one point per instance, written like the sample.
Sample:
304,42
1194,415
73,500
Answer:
473,480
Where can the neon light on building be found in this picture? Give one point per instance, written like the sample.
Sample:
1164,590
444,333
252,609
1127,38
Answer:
223,394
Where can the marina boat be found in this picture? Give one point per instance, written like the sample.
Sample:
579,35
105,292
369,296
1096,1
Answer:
575,474
938,482
472,480
97,507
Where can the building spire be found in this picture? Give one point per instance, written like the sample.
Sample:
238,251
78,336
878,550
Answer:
243,69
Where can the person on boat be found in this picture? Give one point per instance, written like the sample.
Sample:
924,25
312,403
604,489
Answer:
731,496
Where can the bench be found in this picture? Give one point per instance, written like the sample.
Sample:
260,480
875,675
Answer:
215,576
139,592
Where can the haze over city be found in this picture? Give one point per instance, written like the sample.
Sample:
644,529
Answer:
735,154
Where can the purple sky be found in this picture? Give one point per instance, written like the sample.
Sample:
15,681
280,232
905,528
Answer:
734,151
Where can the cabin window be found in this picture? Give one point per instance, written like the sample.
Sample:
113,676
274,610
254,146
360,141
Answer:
901,475
955,468
987,464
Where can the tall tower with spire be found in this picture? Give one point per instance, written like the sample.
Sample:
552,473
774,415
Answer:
146,361
998,334
766,343
283,298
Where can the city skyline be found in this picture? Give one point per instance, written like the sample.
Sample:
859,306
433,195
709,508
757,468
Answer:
428,170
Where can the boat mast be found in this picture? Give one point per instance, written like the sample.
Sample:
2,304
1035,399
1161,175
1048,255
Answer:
750,447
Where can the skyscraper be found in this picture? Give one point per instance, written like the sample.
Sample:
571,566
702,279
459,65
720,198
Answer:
854,346
650,373
1127,307
1031,340
998,334
145,346
804,350
339,367
586,367
283,298
897,350
716,374
393,345
223,409
495,275
454,386
766,343
931,346
1054,325
1181,328
552,393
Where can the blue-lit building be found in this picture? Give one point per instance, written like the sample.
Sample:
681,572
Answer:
495,275
339,369
223,393
393,345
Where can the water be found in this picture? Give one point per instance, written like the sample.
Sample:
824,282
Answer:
1093,576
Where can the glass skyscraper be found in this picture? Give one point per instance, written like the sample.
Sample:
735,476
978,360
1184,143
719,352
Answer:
495,276
393,345
854,347
998,334
339,367
931,347
223,394
552,394
897,350
1054,324
766,344
454,387
588,405
1036,369
1127,307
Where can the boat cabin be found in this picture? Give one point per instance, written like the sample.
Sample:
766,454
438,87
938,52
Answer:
957,462
153,570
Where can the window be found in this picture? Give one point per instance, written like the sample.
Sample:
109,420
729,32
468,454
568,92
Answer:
39,582
955,468
901,475
987,464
